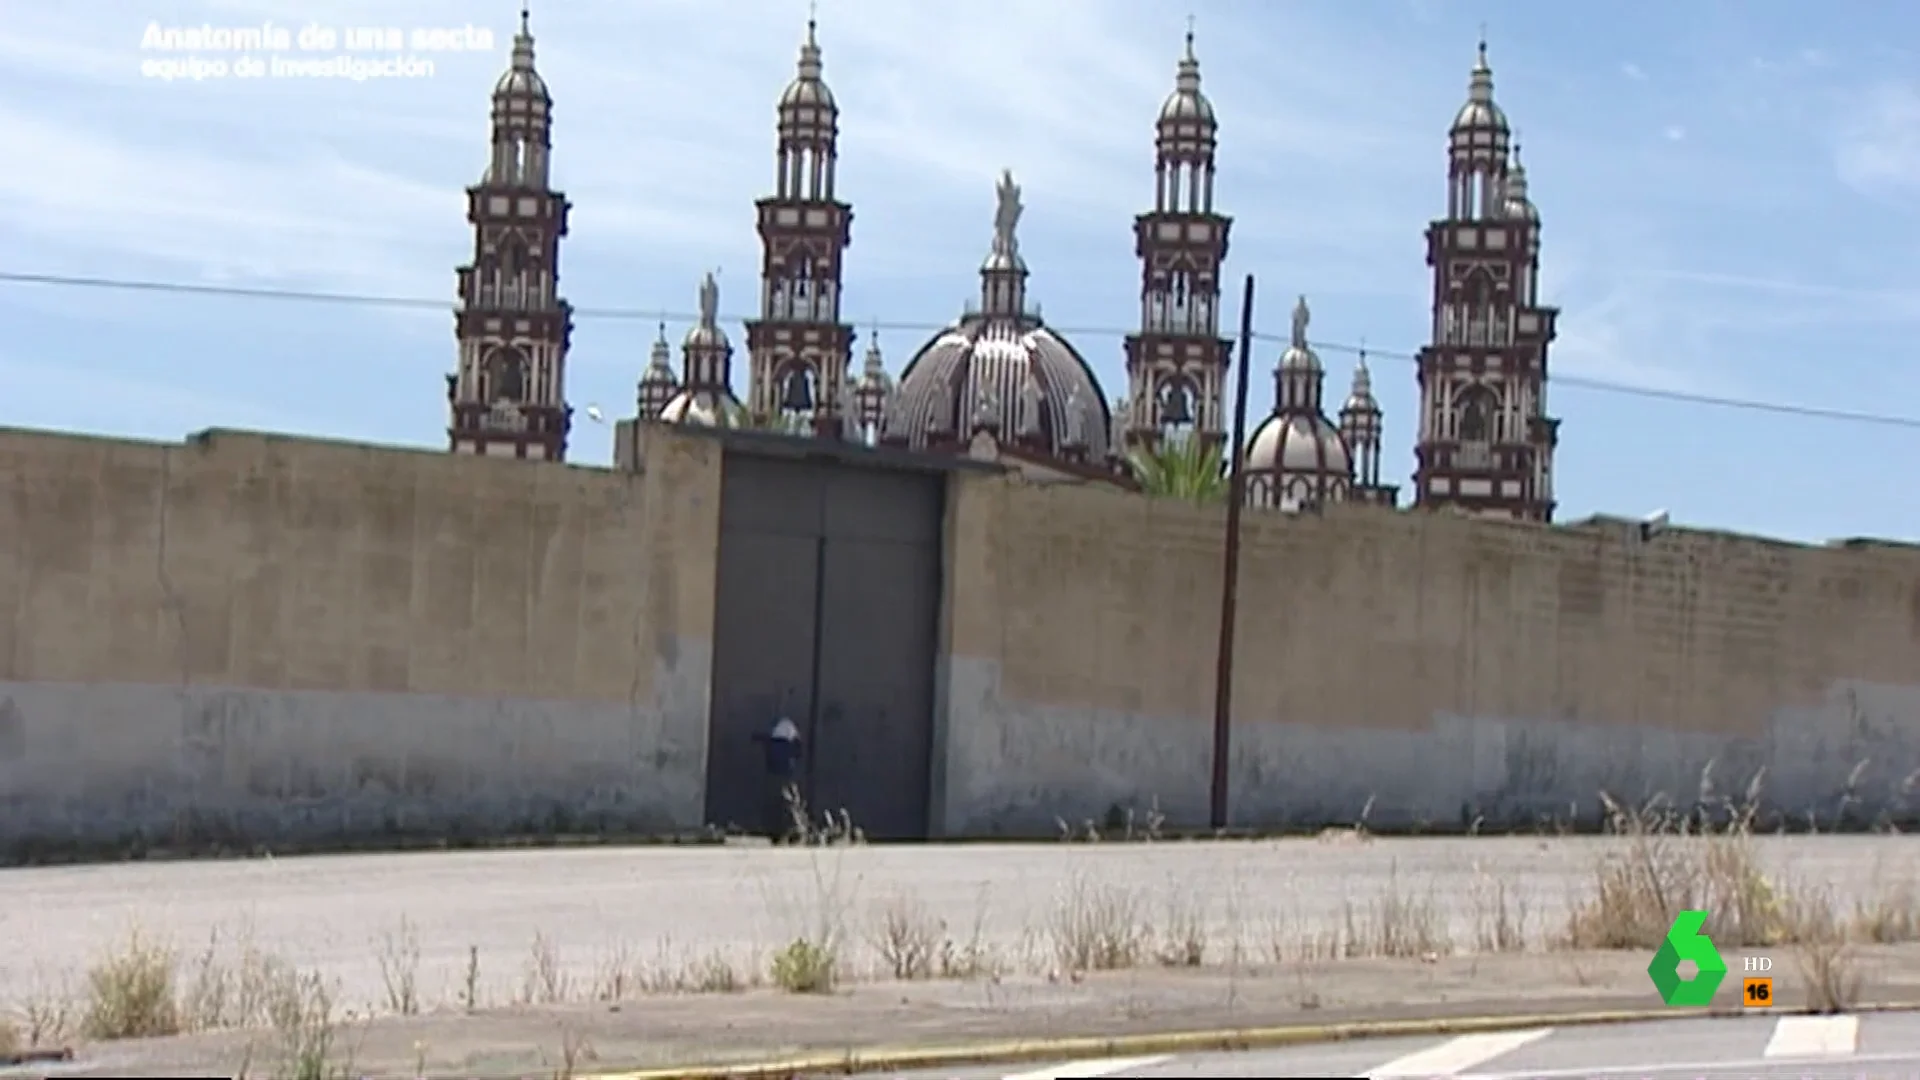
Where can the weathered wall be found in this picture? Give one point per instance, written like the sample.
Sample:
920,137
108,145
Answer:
281,639
1441,667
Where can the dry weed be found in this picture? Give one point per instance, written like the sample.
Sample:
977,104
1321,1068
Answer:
1828,964
1889,914
1671,861
10,1040
545,980
1395,924
131,990
48,1015
399,956
1499,915
1180,940
470,981
575,1051
908,937
1097,928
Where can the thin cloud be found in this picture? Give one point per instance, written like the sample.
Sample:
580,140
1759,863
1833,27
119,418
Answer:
1633,71
1879,151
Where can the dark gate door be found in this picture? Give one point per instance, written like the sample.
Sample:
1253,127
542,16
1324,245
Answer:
827,609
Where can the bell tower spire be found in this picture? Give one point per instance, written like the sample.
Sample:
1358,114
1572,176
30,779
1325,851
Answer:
799,347
507,395
1486,442
1177,361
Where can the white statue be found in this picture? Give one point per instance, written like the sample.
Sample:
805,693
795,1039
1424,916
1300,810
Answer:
709,301
1007,214
1300,317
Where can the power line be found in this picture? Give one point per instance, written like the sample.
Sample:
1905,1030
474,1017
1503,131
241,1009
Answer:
634,314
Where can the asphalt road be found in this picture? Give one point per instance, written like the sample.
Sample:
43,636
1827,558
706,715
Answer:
1872,1045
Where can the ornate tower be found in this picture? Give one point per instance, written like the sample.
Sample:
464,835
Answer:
659,384
1361,427
507,396
1486,442
1177,363
799,347
872,395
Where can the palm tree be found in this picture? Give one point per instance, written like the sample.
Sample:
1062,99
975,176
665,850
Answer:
1191,469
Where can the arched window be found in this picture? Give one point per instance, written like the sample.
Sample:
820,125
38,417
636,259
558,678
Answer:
507,376
1176,407
1476,409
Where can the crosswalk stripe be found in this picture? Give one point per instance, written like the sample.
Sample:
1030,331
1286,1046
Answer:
1814,1036
1455,1056
1086,1070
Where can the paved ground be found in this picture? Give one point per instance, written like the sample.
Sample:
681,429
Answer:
665,1031
677,906
1736,1048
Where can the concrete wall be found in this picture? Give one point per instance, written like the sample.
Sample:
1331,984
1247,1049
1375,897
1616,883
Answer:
280,639
267,639
1443,668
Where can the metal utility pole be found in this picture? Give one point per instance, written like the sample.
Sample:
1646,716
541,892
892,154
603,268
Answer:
1230,577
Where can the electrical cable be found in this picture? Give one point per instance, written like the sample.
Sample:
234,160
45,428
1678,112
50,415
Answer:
1850,416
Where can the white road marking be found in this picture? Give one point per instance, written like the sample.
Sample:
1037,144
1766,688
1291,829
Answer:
1455,1056
1085,1070
1814,1036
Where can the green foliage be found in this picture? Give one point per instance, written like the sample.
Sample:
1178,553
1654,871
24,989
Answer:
1190,469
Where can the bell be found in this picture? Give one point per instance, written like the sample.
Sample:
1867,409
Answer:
1174,407
799,395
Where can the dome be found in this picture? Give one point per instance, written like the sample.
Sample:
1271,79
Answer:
705,336
808,89
1303,444
1000,368
1361,400
1187,104
1517,205
520,79
701,408
1480,113
1019,378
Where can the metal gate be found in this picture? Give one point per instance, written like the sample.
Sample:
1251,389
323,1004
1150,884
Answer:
827,611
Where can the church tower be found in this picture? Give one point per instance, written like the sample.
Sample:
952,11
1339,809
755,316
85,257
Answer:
507,395
799,348
1486,442
1177,362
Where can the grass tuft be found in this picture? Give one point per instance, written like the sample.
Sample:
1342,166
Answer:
132,990
806,966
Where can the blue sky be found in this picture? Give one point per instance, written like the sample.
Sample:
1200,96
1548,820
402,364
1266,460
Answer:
1730,188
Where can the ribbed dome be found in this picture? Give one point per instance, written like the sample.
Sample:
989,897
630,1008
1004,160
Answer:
808,90
520,79
1187,104
1000,369
1300,443
1016,378
1517,205
702,408
1480,113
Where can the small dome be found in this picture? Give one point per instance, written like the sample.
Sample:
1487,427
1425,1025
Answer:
1480,113
704,336
1024,381
1517,205
1361,400
808,89
520,79
1187,104
1300,359
1299,444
